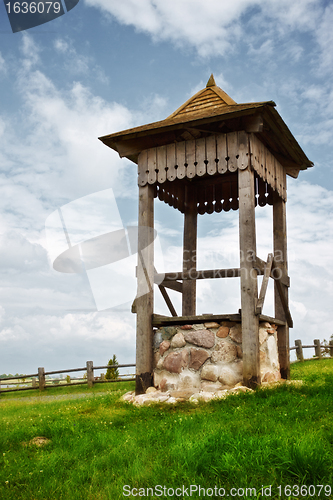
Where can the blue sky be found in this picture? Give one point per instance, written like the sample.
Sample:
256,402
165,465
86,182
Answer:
106,66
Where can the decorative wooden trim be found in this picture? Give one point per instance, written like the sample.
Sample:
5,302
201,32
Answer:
267,167
214,155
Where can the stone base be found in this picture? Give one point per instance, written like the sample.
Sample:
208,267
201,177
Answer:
208,357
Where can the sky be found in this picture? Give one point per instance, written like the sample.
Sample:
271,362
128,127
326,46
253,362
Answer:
106,66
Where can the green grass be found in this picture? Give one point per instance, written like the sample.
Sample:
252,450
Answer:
281,436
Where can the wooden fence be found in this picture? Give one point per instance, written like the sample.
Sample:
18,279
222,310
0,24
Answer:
319,348
39,381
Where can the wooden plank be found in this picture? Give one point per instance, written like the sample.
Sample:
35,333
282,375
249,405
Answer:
189,253
143,168
210,191
159,320
270,164
271,320
278,186
218,197
152,165
180,159
284,185
234,204
201,208
255,153
249,287
211,155
263,161
262,193
221,153
226,190
171,162
190,159
267,274
161,164
145,295
232,146
200,156
243,150
280,256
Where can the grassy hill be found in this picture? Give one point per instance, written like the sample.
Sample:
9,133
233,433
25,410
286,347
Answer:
255,445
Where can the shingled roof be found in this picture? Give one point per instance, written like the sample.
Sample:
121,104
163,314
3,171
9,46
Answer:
211,111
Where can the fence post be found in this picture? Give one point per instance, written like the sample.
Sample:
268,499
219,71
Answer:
33,382
299,350
41,378
317,348
90,373
331,348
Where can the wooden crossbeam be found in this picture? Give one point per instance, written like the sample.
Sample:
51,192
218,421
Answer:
170,279
197,275
264,284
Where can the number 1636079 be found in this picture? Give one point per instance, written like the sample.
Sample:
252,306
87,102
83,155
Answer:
33,7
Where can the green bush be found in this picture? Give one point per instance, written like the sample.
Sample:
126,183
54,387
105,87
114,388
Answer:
112,373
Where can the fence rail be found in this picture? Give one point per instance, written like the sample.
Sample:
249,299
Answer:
90,380
319,348
41,376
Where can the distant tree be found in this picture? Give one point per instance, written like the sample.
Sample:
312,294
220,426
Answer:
112,373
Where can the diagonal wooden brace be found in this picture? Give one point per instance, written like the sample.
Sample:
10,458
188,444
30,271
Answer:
264,284
283,298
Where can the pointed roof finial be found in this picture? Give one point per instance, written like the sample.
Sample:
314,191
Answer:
211,81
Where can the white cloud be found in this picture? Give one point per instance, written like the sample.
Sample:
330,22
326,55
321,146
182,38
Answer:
60,342
324,38
3,68
212,27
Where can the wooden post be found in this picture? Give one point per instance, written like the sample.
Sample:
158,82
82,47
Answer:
41,378
145,295
317,348
248,277
299,350
33,382
90,373
331,348
190,253
280,257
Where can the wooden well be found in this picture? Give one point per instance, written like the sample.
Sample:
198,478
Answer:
214,155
